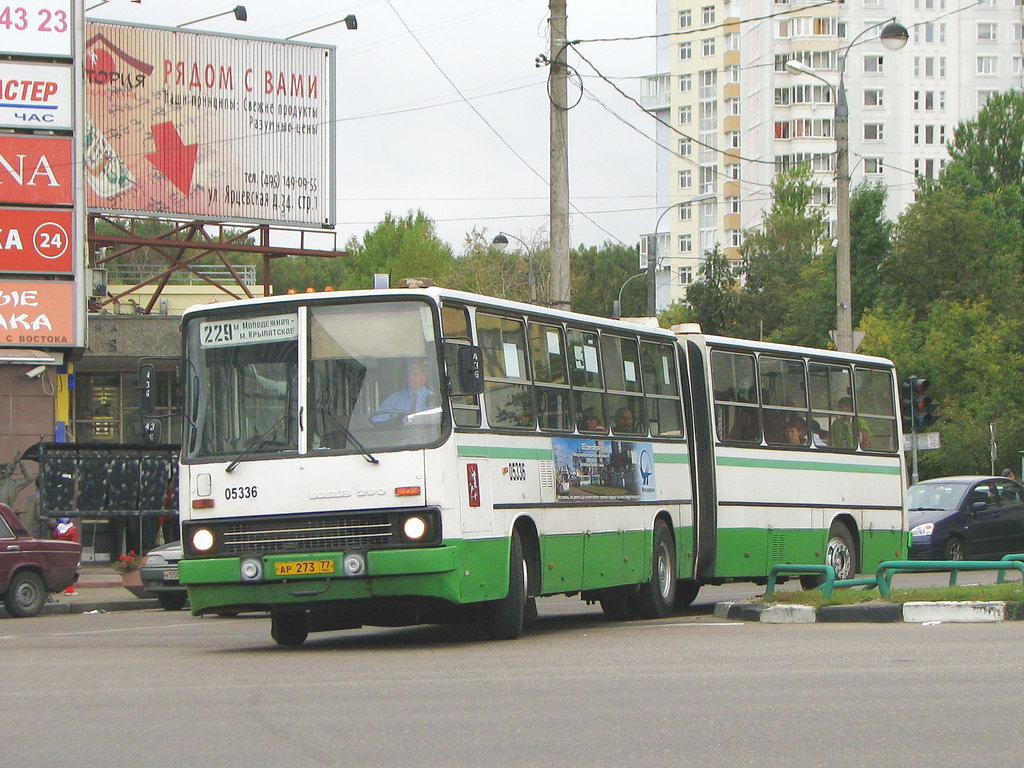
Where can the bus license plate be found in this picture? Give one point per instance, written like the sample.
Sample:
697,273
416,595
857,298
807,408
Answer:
303,567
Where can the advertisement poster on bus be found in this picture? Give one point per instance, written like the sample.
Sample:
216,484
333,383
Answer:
610,469
208,126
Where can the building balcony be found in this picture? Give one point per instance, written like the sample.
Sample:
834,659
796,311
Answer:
656,91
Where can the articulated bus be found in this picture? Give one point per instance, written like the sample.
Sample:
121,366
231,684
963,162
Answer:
395,457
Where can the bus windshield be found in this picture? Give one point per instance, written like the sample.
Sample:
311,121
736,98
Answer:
370,381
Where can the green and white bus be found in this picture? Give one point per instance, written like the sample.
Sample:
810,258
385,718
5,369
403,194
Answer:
395,457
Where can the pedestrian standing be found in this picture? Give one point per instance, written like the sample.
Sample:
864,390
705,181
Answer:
66,530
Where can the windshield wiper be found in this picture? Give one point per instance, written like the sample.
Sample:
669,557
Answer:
348,434
258,442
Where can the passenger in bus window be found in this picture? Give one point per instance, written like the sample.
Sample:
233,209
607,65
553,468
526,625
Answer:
846,430
590,422
625,423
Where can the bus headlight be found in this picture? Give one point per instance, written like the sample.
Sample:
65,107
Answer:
414,528
202,540
251,569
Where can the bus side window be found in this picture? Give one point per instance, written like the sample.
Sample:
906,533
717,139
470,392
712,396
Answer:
784,401
829,384
622,379
664,415
508,397
455,333
550,376
585,375
875,408
735,391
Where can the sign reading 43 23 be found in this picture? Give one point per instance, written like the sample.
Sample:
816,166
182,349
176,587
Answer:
36,27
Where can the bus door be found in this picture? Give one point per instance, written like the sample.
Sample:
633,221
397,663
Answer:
702,459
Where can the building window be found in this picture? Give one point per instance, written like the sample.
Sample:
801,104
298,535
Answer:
732,106
873,132
930,32
732,74
732,171
732,41
874,65
984,96
987,65
1018,65
732,204
872,166
685,51
685,115
874,97
986,32
685,243
707,46
685,179
685,275
707,14
685,19
732,139
685,147
685,83
734,237
930,66
685,212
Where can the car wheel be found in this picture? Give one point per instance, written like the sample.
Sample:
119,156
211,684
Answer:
25,595
289,627
657,596
955,549
172,601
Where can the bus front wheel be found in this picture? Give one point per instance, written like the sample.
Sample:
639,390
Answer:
289,627
840,553
505,617
656,597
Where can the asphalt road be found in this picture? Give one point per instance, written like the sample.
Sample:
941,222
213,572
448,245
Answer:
155,688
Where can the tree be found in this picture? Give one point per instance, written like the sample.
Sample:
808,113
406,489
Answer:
988,152
597,274
871,237
714,298
779,260
482,268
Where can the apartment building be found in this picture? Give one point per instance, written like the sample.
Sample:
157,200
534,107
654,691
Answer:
731,114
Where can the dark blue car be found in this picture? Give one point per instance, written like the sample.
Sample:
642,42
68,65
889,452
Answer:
965,518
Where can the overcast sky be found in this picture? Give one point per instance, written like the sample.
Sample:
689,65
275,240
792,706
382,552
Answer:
408,139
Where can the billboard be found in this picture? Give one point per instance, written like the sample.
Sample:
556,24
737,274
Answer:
37,313
208,126
36,96
36,28
36,240
36,170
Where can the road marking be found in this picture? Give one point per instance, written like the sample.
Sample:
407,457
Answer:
121,629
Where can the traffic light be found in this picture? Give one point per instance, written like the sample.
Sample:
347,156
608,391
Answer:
923,412
907,405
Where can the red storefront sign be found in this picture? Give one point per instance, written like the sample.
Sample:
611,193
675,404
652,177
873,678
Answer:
36,313
35,170
36,240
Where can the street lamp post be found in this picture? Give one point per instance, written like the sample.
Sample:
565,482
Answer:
239,12
893,36
500,242
652,254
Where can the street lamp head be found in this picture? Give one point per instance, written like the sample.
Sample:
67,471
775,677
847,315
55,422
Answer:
350,22
894,35
240,13
797,66
500,241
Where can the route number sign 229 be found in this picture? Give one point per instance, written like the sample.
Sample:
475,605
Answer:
36,27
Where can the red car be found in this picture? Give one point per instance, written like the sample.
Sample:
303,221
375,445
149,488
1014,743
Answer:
31,567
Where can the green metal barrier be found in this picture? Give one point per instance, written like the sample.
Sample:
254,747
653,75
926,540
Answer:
826,587
887,569
1002,574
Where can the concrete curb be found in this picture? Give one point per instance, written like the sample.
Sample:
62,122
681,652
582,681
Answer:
100,606
964,612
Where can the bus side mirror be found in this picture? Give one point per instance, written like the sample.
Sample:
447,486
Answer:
147,389
471,371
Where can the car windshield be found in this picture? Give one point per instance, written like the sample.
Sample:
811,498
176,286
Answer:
936,496
370,381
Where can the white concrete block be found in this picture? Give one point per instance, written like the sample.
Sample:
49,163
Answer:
722,609
952,611
788,614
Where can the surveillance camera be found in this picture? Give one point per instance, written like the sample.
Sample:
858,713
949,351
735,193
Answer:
34,372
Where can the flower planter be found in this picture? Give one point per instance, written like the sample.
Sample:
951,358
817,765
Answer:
132,581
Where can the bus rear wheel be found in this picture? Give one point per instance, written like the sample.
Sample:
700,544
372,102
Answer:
619,603
840,553
686,593
656,597
289,627
504,618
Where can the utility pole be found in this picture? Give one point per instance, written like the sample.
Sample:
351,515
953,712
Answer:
559,173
